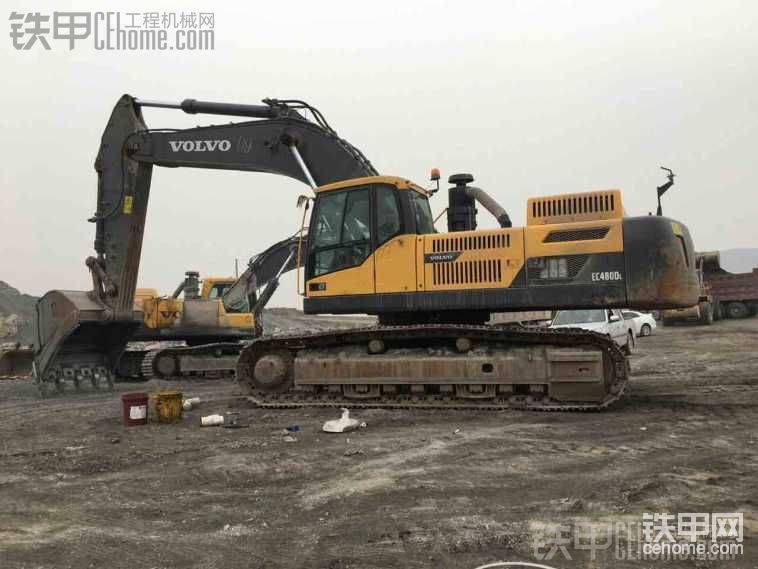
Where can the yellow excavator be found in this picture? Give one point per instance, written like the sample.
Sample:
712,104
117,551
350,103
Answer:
199,317
222,312
371,247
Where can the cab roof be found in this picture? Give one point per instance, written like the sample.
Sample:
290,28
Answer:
398,182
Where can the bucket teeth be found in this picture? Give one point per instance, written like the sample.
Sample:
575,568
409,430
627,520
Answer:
78,375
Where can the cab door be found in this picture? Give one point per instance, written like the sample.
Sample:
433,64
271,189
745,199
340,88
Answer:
339,260
395,257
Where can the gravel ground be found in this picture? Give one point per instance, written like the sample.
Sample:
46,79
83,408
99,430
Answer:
413,489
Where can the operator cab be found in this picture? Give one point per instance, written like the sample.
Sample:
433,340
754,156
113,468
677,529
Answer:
352,219
214,288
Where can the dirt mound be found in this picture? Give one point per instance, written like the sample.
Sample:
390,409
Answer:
16,314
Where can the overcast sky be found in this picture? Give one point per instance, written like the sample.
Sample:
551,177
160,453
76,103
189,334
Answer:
531,97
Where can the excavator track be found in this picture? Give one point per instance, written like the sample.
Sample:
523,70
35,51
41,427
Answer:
209,361
581,370
146,365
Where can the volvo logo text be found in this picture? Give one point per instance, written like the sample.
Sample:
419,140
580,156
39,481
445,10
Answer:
200,145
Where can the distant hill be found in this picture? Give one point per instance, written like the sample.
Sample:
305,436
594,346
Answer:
16,314
739,260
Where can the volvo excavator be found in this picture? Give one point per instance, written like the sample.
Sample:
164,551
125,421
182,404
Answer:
372,248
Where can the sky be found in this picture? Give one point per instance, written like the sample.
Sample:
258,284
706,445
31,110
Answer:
531,97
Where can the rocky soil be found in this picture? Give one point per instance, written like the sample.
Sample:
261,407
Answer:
413,489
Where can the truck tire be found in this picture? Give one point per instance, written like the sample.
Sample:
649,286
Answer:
717,311
706,314
737,310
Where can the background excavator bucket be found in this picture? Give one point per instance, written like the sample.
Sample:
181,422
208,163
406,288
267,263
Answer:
16,360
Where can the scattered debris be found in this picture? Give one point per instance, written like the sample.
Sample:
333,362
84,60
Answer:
354,451
456,431
570,505
643,428
190,403
293,429
289,439
232,421
341,425
212,420
236,530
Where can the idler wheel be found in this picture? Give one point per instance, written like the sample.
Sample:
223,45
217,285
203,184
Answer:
273,372
463,344
165,366
376,346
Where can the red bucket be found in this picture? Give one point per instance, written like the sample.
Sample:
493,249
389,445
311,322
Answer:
134,409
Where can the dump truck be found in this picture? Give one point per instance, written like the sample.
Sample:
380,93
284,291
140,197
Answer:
372,248
704,312
735,295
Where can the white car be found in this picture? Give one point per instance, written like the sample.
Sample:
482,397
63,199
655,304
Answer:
644,324
607,321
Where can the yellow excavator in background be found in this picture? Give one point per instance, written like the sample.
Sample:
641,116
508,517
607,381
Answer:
372,248
193,315
221,312
166,313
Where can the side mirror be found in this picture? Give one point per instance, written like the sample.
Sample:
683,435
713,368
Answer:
614,318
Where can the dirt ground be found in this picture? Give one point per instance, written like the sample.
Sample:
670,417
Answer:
413,489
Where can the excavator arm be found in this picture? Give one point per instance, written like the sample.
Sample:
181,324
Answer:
262,274
81,335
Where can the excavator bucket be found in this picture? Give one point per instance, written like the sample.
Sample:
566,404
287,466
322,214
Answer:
76,341
16,360
81,335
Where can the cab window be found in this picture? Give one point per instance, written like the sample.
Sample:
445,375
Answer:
342,231
422,213
218,290
387,214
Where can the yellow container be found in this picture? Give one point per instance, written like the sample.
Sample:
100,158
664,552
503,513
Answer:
168,406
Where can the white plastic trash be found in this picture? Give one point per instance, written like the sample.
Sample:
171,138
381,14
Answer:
189,403
341,425
212,420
